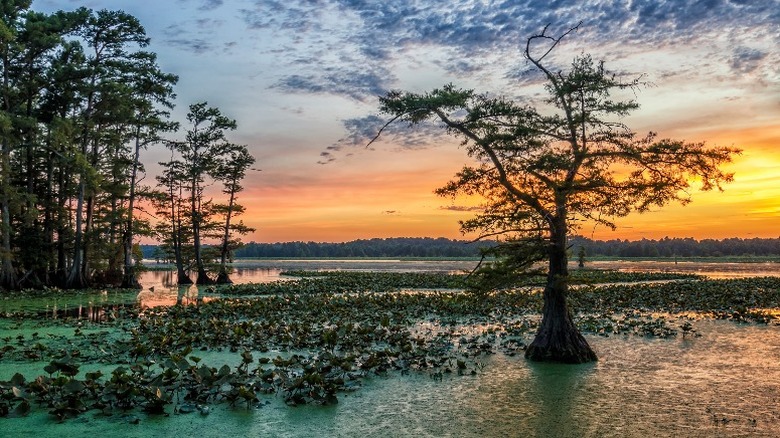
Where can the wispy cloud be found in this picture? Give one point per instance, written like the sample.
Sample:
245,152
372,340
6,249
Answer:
384,32
361,130
208,5
181,36
747,60
356,84
195,45
460,208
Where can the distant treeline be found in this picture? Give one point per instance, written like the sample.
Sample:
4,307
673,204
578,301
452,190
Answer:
441,247
677,247
393,247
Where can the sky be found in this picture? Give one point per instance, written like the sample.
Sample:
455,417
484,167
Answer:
302,79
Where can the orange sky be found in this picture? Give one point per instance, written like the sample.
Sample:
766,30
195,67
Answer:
389,193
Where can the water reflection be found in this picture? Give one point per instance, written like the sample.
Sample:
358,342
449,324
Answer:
90,312
558,392
160,287
714,270
723,383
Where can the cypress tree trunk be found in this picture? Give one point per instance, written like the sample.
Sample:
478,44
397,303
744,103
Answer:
89,212
558,339
75,278
181,275
7,272
128,278
203,277
223,277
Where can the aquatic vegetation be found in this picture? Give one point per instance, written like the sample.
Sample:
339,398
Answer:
728,299
308,343
358,281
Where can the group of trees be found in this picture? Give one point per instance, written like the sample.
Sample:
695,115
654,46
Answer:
392,247
678,247
203,158
443,247
80,98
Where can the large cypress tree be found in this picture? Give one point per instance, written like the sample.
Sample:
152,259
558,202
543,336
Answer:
542,169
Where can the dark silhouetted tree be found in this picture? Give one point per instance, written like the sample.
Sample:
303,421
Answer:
231,171
152,91
201,152
543,169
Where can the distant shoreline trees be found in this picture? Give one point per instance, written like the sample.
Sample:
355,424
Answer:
443,247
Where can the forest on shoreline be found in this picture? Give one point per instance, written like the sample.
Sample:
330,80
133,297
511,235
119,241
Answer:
82,98
443,247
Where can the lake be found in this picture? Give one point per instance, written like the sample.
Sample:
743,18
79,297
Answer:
721,383
159,287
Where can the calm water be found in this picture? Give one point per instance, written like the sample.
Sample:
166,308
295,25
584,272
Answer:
710,269
724,383
160,287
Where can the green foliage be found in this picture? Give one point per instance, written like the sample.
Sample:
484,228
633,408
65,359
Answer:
515,263
78,89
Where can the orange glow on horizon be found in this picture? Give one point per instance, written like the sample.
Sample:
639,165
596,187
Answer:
389,193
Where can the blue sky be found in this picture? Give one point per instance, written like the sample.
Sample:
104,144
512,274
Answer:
302,79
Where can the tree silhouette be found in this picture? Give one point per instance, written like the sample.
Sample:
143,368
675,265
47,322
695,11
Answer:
543,169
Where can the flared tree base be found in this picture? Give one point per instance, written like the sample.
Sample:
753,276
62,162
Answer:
203,278
223,278
75,281
562,347
130,282
183,279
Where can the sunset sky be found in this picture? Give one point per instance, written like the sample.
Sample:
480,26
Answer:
300,76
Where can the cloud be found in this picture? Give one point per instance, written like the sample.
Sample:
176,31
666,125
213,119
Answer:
360,85
195,45
294,15
209,23
747,60
209,5
178,35
361,130
469,31
326,157
203,5
359,49
461,208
